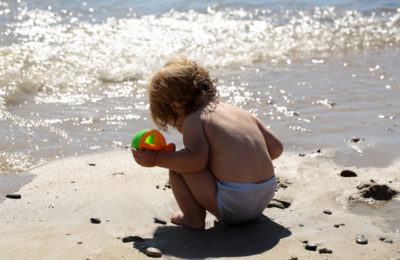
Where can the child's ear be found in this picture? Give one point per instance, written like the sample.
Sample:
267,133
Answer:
177,107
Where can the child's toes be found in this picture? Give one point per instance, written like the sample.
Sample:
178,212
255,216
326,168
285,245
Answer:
181,220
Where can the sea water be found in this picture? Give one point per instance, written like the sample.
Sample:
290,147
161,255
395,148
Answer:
324,77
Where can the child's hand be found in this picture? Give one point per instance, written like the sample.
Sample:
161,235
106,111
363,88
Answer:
145,158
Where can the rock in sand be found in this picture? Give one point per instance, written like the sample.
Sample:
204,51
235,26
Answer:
95,220
13,196
348,173
153,252
361,240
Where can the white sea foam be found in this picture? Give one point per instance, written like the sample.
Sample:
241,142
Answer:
57,54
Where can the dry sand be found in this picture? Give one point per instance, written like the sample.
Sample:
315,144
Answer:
52,219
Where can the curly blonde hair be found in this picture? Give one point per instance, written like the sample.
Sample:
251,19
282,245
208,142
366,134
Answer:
182,81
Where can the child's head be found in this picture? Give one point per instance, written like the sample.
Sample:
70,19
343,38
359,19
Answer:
182,81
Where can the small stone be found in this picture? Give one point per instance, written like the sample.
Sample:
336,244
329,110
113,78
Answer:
160,221
283,185
325,251
275,204
92,164
153,252
311,247
336,225
293,258
14,196
95,220
285,203
379,192
157,186
301,225
342,224
79,242
327,211
129,239
356,139
304,241
386,240
361,240
363,186
302,154
348,173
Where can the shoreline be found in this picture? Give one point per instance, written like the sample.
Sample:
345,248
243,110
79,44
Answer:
52,219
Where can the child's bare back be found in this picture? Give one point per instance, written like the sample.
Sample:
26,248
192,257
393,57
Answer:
238,151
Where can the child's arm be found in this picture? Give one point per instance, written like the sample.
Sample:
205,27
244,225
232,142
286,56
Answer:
193,158
274,145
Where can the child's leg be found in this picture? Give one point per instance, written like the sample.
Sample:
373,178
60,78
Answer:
195,193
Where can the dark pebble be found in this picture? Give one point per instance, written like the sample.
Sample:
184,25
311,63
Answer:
160,221
129,239
293,258
311,247
79,242
348,173
336,225
361,240
304,241
95,220
13,196
282,185
301,225
325,251
356,139
92,164
302,154
327,211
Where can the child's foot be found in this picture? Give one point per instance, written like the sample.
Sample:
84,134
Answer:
181,220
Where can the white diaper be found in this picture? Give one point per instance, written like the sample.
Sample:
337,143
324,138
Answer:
240,202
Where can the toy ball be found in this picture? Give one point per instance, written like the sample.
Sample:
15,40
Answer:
151,139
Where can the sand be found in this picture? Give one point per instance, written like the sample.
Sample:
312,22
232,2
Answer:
52,219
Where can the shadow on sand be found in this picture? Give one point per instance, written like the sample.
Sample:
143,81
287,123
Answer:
247,239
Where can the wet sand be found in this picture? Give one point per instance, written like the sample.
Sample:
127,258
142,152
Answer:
52,220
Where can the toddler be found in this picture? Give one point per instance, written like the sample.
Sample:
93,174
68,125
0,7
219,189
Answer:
225,166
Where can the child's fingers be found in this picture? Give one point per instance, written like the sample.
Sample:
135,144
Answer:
135,153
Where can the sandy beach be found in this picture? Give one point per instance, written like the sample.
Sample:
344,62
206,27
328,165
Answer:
52,219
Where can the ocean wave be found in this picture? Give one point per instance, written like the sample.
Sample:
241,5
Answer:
59,53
